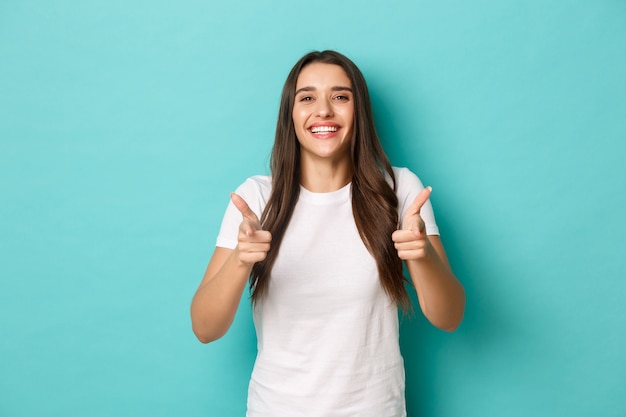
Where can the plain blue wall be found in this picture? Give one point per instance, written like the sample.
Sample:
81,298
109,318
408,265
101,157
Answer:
125,125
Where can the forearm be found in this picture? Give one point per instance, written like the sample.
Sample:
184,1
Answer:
216,301
441,295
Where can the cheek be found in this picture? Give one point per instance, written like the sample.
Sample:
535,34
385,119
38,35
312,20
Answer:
347,114
351,116
299,119
349,120
298,127
298,111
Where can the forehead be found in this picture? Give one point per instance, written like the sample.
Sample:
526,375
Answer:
320,75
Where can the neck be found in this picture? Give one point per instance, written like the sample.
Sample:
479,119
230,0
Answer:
325,176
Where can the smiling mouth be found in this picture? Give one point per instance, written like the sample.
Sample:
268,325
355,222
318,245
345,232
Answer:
323,129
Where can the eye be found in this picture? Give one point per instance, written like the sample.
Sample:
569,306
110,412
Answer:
342,98
305,98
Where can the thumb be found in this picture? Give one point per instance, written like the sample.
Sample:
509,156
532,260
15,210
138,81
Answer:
419,201
244,209
416,206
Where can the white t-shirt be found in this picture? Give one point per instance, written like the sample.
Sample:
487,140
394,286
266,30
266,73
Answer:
327,331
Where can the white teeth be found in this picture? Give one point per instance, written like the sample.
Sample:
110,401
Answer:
323,129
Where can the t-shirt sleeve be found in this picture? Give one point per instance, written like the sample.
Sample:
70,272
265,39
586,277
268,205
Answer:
408,187
254,191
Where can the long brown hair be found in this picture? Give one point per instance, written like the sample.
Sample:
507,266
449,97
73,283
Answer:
374,201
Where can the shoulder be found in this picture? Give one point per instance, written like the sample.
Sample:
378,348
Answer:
259,181
406,180
256,192
258,185
408,186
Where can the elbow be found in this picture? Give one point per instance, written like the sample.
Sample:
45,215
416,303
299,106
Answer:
451,321
206,337
203,338
206,334
206,330
447,324
451,327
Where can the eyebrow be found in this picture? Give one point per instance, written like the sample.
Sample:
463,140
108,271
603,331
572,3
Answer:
337,88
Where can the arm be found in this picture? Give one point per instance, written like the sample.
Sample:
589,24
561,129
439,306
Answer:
216,301
441,296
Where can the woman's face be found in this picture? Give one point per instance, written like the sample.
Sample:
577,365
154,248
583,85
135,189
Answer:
323,112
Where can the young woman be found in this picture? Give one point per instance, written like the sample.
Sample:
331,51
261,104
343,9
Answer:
321,242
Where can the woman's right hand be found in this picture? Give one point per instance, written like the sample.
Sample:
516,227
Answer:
253,242
215,303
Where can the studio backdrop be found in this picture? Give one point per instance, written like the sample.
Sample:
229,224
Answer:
124,126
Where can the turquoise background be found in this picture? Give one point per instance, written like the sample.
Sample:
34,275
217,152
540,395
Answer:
125,125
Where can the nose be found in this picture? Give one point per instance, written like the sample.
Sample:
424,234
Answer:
324,109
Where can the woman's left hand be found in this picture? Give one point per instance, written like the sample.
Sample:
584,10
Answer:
440,294
411,240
